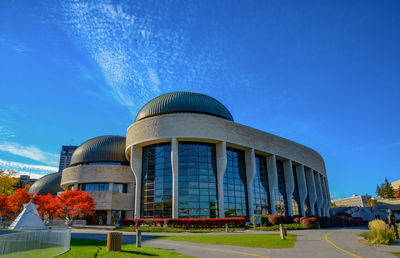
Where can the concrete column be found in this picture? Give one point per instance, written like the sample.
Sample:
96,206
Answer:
136,166
328,198
272,179
289,184
221,167
110,187
75,187
250,161
323,208
312,194
109,217
301,183
175,178
319,192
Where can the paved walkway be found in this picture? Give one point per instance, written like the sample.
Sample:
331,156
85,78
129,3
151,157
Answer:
324,243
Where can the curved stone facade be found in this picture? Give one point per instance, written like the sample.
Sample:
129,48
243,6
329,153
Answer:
308,194
106,200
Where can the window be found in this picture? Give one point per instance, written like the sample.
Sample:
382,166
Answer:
280,191
235,190
93,187
197,181
157,181
296,196
120,188
261,188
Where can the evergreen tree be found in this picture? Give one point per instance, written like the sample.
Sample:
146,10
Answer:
385,190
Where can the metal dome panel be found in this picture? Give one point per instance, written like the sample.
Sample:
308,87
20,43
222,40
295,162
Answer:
176,102
108,148
47,184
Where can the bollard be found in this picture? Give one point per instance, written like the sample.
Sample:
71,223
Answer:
138,238
226,227
282,231
114,241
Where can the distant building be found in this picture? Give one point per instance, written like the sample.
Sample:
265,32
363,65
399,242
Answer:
26,180
65,156
396,185
354,201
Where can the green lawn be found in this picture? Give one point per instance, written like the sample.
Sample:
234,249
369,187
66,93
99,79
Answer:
46,252
261,241
93,248
396,253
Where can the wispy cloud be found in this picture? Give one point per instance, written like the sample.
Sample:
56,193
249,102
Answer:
23,168
30,152
138,55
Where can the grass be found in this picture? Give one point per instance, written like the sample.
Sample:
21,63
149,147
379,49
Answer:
380,233
396,253
145,228
260,241
94,248
47,252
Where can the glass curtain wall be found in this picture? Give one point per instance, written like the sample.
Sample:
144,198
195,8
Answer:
235,191
296,208
280,191
197,180
157,181
260,187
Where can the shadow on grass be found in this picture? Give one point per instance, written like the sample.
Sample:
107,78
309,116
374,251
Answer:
137,253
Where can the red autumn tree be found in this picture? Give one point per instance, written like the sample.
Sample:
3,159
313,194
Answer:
47,205
397,193
4,207
75,203
17,200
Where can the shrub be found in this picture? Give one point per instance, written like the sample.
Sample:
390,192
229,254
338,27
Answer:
380,233
310,222
186,223
289,220
325,222
276,219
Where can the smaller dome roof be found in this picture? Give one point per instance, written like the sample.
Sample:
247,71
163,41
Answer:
108,148
183,101
47,184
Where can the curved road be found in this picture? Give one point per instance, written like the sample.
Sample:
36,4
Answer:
310,243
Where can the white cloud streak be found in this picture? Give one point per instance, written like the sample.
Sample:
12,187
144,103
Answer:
30,152
23,168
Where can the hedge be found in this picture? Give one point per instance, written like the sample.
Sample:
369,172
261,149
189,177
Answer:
276,219
310,222
187,223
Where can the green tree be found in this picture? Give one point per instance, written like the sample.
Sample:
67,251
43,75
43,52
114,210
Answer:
8,182
385,190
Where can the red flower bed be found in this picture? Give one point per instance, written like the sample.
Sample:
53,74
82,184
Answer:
310,222
187,223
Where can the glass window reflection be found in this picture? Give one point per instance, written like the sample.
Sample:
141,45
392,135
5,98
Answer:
157,181
260,187
235,191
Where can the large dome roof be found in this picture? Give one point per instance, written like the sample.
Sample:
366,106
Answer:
182,101
47,184
108,148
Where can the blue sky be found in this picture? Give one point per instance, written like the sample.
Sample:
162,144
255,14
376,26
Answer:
321,73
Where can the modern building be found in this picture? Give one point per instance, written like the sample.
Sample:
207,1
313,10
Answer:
185,157
99,167
26,180
65,156
354,201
